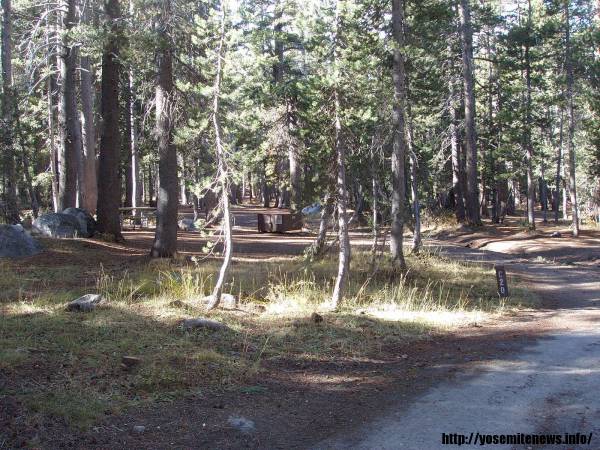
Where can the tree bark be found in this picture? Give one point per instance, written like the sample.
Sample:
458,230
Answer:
571,124
109,185
472,195
165,238
399,138
89,182
69,153
10,210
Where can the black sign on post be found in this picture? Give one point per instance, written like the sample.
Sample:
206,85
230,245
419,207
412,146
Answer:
501,279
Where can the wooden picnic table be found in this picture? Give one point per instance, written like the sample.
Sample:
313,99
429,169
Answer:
141,216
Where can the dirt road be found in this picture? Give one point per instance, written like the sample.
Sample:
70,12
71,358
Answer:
548,388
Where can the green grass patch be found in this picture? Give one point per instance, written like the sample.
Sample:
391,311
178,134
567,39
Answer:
68,366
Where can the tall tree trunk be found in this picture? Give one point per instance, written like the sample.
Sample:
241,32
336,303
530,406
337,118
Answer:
559,157
374,205
414,182
571,124
89,182
70,132
137,183
109,185
399,138
50,100
492,129
222,173
528,127
341,189
33,198
165,238
127,145
295,175
456,156
183,200
264,188
10,208
472,195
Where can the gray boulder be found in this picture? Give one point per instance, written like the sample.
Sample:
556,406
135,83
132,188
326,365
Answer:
87,224
15,242
57,225
86,303
187,224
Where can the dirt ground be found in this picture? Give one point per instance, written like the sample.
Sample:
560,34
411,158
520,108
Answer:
299,403
511,238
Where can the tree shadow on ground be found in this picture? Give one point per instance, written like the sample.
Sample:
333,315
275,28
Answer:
64,385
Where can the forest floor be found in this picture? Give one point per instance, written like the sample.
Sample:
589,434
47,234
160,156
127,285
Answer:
548,387
275,378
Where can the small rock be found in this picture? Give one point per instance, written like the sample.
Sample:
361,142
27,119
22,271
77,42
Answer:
86,303
241,424
138,429
316,318
200,322
556,234
131,361
227,301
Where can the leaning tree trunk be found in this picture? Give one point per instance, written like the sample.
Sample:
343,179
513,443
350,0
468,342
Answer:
88,181
222,174
165,238
109,185
11,208
399,138
571,124
341,189
472,195
69,153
